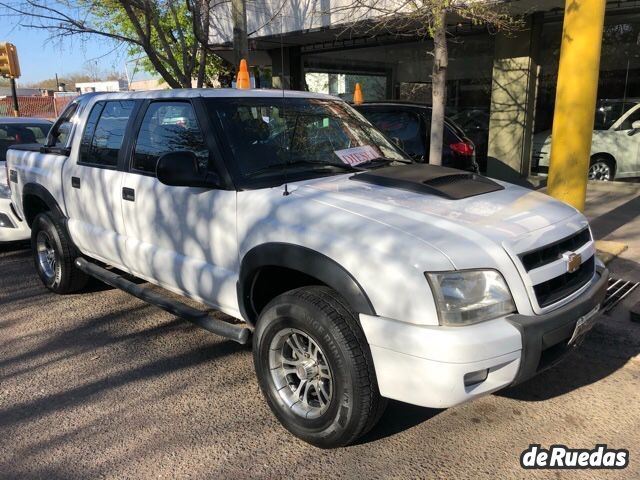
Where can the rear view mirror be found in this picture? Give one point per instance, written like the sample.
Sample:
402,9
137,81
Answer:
635,127
180,169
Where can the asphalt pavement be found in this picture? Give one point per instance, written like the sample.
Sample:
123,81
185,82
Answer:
101,385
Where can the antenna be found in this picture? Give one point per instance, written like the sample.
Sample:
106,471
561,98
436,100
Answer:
284,136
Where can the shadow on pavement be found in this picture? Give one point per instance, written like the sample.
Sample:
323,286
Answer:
10,247
397,418
612,220
613,341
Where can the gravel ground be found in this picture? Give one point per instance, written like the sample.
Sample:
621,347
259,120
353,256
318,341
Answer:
101,385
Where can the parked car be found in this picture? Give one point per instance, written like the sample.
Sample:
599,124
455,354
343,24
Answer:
360,274
615,145
408,124
16,131
474,121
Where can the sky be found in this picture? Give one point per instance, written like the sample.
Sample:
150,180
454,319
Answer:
41,58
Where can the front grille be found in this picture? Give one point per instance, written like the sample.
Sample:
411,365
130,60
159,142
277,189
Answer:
556,289
552,252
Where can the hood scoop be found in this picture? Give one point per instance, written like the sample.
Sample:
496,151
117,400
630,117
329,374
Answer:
430,179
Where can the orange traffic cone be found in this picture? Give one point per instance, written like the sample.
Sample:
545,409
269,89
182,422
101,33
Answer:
243,80
357,95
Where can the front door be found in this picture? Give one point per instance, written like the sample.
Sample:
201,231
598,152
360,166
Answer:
623,142
94,181
182,238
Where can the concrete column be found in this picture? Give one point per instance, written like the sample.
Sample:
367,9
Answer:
286,68
513,102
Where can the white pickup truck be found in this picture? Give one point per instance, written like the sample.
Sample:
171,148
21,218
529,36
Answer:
360,275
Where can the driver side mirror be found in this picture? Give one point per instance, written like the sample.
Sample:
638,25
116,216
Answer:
180,169
635,127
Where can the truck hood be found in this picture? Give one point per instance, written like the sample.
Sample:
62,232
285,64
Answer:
499,216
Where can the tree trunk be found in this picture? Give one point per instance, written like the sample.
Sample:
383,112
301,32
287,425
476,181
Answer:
438,88
202,66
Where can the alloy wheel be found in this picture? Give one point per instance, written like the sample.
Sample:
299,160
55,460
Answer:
600,171
47,258
300,373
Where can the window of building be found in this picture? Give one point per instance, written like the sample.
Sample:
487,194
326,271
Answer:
169,127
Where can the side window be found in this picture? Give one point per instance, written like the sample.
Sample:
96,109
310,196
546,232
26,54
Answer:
404,126
59,134
628,122
168,127
104,132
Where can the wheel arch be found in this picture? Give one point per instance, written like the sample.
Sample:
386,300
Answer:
274,268
37,199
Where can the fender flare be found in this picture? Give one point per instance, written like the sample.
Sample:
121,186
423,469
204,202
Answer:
304,260
38,191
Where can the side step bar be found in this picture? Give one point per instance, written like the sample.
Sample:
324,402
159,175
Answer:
236,333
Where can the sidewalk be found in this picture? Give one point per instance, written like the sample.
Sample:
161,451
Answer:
614,212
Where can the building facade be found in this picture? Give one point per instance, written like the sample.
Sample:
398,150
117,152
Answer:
500,85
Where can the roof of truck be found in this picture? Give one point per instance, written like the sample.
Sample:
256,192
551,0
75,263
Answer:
24,120
210,93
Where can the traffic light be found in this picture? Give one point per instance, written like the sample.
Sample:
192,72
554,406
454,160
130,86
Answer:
9,65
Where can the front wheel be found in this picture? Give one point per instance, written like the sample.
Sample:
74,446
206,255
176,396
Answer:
54,254
601,169
315,369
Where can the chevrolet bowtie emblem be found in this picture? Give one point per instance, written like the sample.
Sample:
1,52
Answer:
574,260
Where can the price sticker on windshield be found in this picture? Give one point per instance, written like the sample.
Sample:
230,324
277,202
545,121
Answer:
357,155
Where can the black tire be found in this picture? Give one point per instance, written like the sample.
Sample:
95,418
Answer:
322,314
50,238
598,166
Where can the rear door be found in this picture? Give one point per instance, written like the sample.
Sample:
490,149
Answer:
93,181
182,238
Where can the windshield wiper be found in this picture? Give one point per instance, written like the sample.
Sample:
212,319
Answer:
283,166
385,160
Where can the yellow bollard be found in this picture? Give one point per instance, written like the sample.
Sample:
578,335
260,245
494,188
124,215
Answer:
243,81
576,100
357,95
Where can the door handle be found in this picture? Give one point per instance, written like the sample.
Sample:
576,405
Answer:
75,182
129,194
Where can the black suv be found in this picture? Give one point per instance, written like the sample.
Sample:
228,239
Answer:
408,124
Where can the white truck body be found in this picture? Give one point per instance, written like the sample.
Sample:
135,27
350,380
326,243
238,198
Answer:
194,241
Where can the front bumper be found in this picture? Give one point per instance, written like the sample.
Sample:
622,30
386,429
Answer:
426,365
545,337
12,228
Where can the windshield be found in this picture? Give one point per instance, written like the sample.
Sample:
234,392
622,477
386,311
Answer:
273,138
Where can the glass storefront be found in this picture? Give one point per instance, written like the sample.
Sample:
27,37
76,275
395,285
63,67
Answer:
616,143
400,69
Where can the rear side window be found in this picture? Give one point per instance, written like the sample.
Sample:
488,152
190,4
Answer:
169,127
104,132
405,126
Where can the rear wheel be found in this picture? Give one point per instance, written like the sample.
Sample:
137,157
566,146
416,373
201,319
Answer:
54,255
602,169
315,369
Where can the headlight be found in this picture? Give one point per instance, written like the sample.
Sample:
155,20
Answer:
470,296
